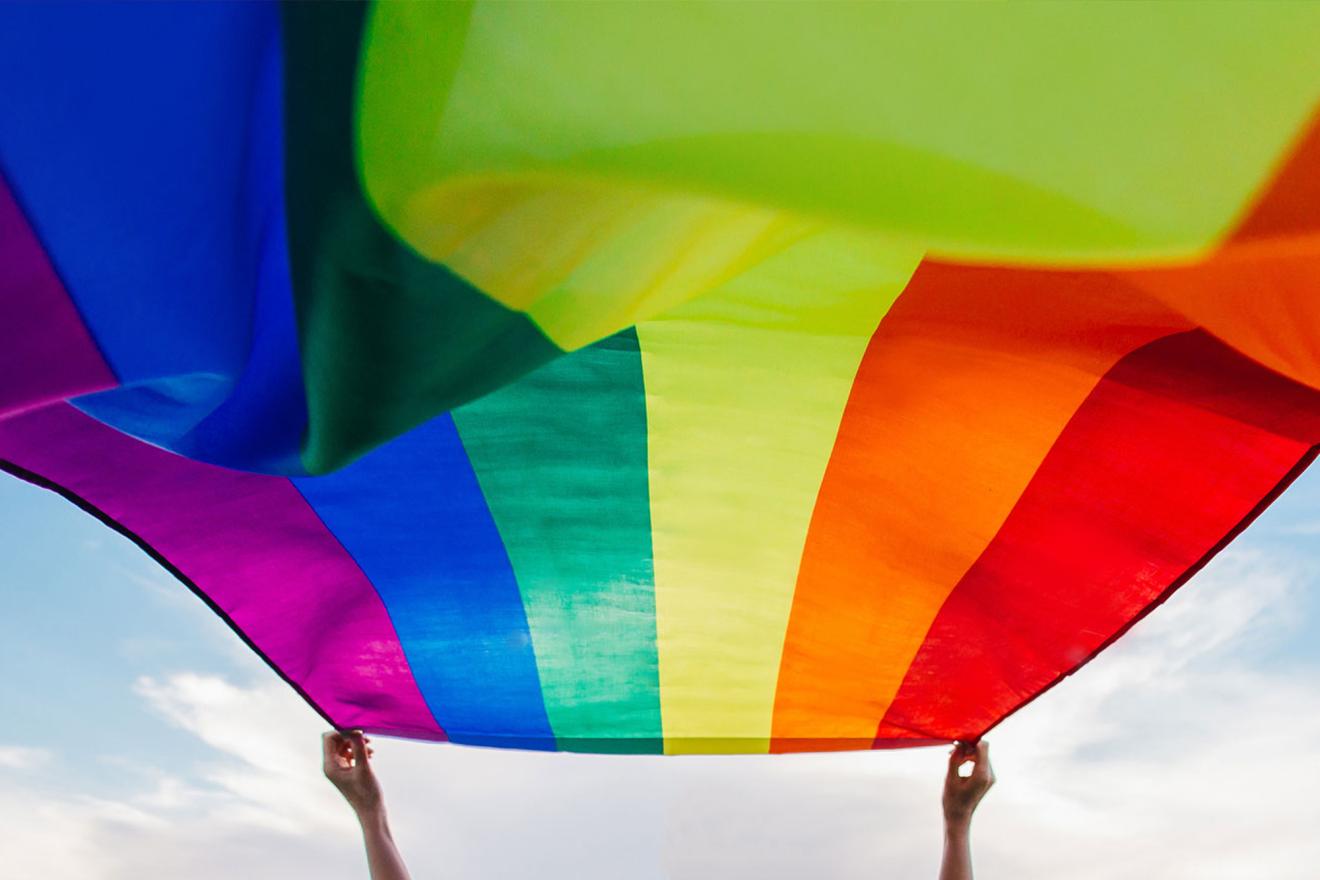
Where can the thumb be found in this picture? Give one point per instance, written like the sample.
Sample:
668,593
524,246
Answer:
983,768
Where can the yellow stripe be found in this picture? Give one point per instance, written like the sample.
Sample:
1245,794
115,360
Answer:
585,259
745,389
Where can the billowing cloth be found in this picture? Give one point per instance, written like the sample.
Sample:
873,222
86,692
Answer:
664,377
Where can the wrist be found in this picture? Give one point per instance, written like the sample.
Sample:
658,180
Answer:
371,815
957,825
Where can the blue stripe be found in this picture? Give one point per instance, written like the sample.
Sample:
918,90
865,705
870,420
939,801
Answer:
413,516
145,145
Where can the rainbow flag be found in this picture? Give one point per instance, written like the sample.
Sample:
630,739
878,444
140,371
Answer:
664,377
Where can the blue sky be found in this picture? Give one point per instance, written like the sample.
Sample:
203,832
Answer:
141,739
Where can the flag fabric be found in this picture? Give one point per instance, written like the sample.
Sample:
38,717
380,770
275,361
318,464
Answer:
664,377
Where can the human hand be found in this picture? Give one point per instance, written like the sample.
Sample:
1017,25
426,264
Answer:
962,794
348,767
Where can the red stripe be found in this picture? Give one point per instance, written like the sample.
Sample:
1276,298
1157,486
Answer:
963,390
1169,456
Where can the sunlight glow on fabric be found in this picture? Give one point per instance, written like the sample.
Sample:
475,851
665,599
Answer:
664,378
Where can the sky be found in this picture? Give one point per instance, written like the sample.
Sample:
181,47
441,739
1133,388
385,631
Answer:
139,738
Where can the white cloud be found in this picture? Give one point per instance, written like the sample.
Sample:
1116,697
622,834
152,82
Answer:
1305,528
22,757
268,772
1173,756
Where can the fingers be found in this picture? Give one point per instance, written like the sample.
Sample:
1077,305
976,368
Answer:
357,748
962,751
344,751
978,754
960,754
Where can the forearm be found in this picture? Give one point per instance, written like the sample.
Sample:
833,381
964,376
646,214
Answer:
957,863
383,857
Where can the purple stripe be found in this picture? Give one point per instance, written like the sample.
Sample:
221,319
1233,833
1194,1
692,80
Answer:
46,353
252,545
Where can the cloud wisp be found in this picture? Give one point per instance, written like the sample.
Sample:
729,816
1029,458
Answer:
1173,755
22,757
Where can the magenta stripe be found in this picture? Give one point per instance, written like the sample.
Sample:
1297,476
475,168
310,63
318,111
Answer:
46,354
260,554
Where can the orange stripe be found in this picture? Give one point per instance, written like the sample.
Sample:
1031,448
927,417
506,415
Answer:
1266,306
1168,458
962,391
1290,205
1261,293
964,387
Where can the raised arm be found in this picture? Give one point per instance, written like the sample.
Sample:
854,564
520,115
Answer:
348,766
961,795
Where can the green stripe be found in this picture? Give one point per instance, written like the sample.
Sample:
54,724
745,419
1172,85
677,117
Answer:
561,457
388,339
